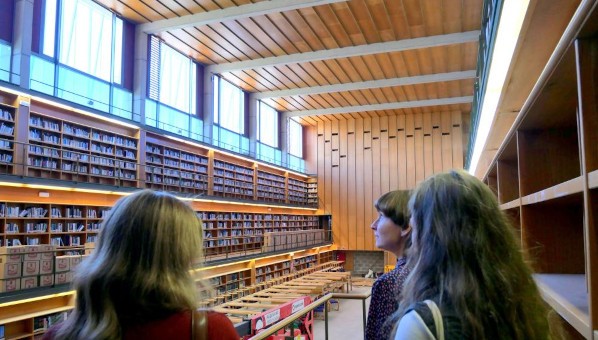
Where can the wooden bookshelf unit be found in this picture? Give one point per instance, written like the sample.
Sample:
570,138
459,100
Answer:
172,169
68,227
270,187
60,149
233,180
297,191
7,138
545,177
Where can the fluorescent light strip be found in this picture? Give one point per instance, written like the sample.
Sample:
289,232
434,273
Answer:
122,193
58,188
67,107
9,90
509,28
236,156
207,200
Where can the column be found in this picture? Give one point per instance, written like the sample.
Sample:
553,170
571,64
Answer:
140,75
253,127
21,48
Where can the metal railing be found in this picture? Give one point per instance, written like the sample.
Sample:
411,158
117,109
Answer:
490,19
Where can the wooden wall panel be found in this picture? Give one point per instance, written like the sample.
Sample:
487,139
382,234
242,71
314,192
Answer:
384,159
351,184
376,155
321,164
428,145
402,152
334,145
436,142
457,136
418,142
344,218
376,191
410,150
360,183
367,183
447,141
327,169
392,154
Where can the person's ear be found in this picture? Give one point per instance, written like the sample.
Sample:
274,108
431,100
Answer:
406,231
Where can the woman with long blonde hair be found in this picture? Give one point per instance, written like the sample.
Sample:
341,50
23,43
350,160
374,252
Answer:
136,284
469,279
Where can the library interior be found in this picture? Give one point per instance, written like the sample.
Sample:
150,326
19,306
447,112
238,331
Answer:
281,122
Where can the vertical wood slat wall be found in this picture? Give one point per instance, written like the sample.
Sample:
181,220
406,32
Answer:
360,159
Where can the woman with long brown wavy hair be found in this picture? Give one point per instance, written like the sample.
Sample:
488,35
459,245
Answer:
469,279
137,284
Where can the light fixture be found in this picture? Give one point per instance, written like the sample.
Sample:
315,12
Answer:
86,113
509,28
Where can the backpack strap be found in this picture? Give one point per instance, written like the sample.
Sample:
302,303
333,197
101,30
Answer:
199,325
438,323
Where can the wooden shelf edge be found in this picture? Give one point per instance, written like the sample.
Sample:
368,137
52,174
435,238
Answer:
36,314
516,203
570,187
593,179
573,315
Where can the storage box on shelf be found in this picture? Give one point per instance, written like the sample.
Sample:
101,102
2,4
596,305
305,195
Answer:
233,180
7,133
61,149
544,174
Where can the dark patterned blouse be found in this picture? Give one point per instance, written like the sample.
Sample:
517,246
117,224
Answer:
385,292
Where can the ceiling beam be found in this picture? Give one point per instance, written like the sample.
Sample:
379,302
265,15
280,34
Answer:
385,106
231,13
364,85
346,52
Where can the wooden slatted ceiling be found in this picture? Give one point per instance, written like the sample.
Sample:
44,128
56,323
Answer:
336,25
433,60
374,96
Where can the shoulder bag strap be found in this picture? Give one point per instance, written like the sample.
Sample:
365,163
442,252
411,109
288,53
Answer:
199,325
437,319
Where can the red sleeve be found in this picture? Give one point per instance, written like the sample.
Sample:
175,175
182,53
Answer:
220,327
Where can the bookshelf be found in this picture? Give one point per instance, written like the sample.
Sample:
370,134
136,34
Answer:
312,192
233,180
272,271
326,256
297,192
7,137
68,227
221,284
545,178
304,262
229,232
61,149
171,169
30,318
270,187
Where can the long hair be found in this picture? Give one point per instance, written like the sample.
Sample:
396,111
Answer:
394,205
139,270
465,257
